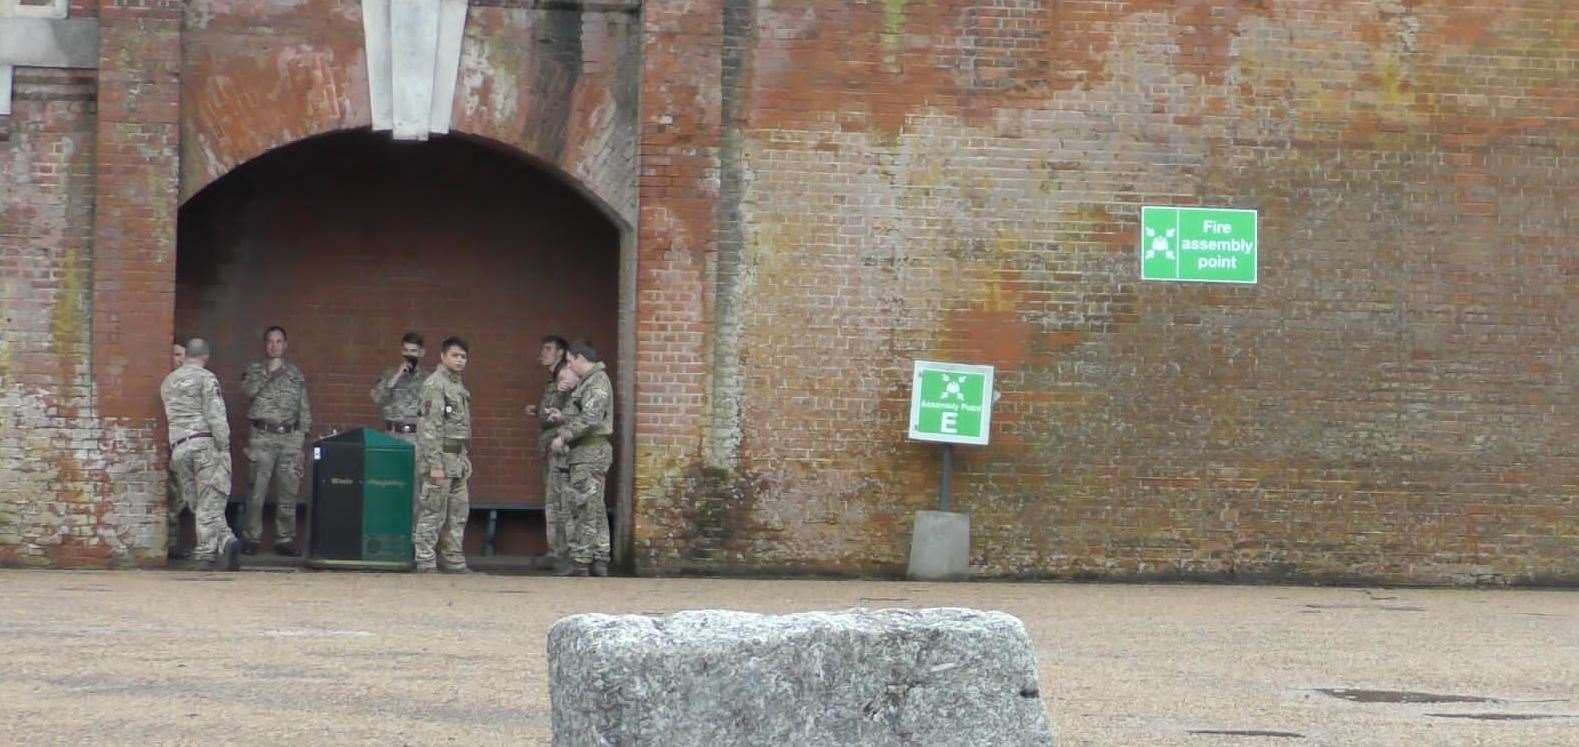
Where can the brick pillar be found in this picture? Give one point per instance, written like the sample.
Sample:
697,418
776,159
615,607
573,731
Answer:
676,248
134,223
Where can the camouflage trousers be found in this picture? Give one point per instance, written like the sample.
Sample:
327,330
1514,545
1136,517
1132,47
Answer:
202,474
441,514
276,460
556,511
587,528
174,504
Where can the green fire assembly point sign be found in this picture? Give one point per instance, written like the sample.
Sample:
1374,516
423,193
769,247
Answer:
951,403
1204,245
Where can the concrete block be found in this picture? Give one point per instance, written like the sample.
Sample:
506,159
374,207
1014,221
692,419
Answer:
940,546
858,677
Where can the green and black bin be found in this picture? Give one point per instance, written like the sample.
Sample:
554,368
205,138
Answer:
362,502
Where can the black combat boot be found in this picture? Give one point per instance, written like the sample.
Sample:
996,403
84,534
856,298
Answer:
574,569
288,549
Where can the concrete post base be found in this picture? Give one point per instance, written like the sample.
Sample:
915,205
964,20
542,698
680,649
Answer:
940,546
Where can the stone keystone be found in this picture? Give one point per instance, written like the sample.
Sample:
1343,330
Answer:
860,677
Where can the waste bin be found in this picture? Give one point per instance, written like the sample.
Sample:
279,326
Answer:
362,502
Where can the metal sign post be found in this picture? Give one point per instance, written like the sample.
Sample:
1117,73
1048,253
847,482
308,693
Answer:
948,474
950,403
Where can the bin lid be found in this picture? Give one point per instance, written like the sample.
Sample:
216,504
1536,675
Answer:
368,438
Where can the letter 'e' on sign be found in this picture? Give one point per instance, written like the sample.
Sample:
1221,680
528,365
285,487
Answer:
951,403
1202,245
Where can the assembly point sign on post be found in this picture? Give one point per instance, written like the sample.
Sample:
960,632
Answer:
1204,245
951,403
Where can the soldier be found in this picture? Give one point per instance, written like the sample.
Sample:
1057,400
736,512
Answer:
551,356
173,501
556,507
280,417
200,453
586,432
398,391
444,429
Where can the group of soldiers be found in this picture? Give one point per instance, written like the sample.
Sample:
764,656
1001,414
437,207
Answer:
431,409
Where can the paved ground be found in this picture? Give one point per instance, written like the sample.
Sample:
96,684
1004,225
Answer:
310,658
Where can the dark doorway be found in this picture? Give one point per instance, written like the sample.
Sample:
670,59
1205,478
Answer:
350,239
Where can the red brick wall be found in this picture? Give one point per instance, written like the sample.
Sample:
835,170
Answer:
557,84
86,219
831,191
444,237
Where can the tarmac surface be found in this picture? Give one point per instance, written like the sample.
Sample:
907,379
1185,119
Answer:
292,657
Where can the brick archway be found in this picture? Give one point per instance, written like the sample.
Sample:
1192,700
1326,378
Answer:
349,239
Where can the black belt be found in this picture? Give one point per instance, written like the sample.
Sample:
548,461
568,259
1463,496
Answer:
454,446
390,425
180,441
264,425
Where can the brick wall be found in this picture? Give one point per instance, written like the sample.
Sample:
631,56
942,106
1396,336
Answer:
550,80
443,237
84,225
828,190
832,190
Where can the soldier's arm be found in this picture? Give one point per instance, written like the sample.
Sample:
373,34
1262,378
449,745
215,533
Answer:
430,421
543,404
214,414
382,391
304,412
594,403
253,380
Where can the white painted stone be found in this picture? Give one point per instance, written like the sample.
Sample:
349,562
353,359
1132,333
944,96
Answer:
375,34
413,50
452,31
858,677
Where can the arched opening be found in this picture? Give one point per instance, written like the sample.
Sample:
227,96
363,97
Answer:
348,240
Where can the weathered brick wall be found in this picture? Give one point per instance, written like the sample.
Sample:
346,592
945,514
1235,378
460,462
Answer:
553,80
82,169
89,199
832,189
444,238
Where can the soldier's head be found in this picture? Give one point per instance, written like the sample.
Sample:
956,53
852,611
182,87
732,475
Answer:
411,347
453,353
581,356
274,342
552,352
197,352
177,354
567,379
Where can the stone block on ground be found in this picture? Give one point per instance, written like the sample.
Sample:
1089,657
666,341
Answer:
857,677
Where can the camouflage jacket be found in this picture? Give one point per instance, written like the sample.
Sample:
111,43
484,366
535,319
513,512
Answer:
593,414
193,404
400,401
278,398
552,398
446,415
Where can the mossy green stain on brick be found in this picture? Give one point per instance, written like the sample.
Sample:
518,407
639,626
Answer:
68,325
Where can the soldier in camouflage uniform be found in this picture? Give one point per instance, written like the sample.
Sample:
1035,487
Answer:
587,433
174,504
200,453
398,394
280,417
398,391
444,429
556,469
551,356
